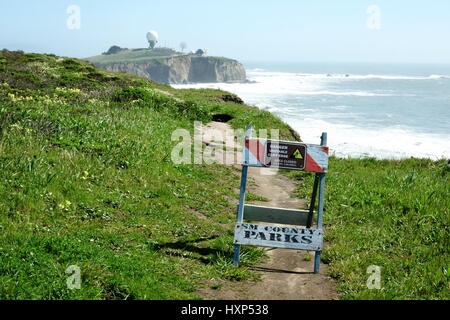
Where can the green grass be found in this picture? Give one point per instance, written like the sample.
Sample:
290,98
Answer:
134,55
254,197
393,214
87,180
215,99
145,55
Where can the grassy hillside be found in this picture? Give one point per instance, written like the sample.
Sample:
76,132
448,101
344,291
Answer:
142,55
392,214
87,180
128,55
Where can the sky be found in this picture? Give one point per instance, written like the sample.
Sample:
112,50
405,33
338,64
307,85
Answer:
380,31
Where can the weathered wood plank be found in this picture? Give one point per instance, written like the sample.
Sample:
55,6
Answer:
275,215
278,237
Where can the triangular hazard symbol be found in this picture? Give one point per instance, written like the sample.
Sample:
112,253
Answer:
298,154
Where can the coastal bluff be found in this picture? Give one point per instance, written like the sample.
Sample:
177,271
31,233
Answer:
171,67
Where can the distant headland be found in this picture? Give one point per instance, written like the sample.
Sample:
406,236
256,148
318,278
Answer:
166,65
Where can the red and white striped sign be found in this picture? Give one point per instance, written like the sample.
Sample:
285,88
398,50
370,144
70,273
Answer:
285,155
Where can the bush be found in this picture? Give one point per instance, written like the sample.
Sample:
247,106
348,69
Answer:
192,111
150,98
130,94
113,50
73,65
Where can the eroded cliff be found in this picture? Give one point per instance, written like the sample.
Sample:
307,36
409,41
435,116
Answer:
180,69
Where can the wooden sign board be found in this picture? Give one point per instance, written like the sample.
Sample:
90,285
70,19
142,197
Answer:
275,215
278,236
258,152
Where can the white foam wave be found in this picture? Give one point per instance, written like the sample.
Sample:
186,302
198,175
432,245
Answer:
385,143
280,86
281,93
268,83
331,77
257,70
392,77
439,76
343,93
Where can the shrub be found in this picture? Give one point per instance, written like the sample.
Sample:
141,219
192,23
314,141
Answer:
113,50
130,94
150,98
192,111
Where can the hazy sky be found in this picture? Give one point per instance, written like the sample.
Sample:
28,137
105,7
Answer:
250,30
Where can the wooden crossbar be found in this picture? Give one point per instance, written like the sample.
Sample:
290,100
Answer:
275,215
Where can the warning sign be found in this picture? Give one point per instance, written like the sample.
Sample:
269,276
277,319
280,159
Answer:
285,155
258,152
298,154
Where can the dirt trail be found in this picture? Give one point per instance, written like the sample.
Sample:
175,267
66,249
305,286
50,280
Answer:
287,274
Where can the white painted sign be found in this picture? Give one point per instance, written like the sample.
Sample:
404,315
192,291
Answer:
278,236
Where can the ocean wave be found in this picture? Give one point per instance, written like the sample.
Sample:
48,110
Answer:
439,76
311,103
287,88
264,73
392,77
355,141
339,107
343,93
256,70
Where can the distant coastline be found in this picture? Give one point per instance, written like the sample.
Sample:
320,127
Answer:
165,65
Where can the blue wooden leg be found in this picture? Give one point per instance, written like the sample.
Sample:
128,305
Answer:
240,212
317,262
237,250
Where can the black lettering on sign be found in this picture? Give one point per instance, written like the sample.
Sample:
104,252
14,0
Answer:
275,237
307,239
254,235
261,236
279,236
290,238
288,155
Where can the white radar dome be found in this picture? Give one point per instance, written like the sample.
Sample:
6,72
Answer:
152,36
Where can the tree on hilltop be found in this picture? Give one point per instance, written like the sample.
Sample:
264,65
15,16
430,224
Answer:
183,46
113,50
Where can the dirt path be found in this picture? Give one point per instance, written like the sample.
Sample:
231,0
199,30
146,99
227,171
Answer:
287,274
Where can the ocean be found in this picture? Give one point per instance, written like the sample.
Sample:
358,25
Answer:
368,110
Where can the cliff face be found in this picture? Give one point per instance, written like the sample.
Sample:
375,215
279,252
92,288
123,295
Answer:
182,69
